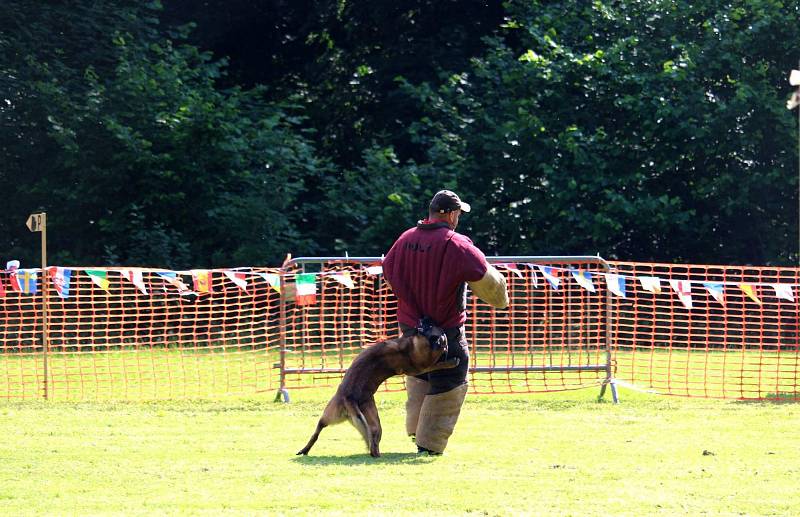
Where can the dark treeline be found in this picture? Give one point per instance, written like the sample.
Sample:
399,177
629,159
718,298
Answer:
189,133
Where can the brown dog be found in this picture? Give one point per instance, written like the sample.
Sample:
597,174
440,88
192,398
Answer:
413,355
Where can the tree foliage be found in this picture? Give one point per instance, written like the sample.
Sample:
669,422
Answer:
637,130
119,131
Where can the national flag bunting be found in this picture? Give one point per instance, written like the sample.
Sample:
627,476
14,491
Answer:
344,279
238,278
584,279
716,290
26,280
306,289
651,284
202,280
12,266
616,284
61,279
750,291
375,270
511,267
172,278
99,277
273,279
547,273
783,291
684,290
135,277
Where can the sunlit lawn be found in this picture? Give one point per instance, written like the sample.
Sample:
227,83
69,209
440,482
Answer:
539,454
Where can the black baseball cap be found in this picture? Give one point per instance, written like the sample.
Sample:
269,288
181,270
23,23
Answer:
446,201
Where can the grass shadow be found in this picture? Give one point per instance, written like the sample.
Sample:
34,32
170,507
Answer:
364,459
773,398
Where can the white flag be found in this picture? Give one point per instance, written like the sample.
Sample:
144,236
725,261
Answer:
651,284
237,278
684,290
616,284
344,279
375,270
135,276
784,291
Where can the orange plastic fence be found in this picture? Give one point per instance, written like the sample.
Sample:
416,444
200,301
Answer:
706,331
137,334
548,339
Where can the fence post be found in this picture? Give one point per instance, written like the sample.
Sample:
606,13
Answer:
283,393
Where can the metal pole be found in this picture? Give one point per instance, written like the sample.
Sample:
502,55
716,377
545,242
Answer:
45,330
283,393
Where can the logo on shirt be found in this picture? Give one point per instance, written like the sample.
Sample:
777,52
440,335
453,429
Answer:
416,246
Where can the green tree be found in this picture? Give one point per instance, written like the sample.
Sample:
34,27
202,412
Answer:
640,130
119,131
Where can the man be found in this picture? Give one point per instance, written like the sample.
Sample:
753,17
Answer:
428,269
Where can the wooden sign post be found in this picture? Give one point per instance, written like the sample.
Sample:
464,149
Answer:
38,223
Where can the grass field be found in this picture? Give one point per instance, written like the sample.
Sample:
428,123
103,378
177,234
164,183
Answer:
562,454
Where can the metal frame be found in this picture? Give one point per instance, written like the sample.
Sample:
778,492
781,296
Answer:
283,393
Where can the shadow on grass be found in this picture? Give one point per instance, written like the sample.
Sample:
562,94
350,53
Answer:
364,459
773,398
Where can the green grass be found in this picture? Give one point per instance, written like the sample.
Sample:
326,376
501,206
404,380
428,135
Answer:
157,373
561,454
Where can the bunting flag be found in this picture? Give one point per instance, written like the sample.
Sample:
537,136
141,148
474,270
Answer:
135,277
306,289
99,277
716,290
616,284
750,291
273,279
61,278
238,278
172,278
547,272
782,291
202,280
651,284
584,279
375,270
684,290
26,280
12,266
511,267
344,279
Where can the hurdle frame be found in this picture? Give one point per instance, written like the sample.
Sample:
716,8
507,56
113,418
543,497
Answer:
301,263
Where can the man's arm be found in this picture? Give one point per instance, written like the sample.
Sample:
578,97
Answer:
491,288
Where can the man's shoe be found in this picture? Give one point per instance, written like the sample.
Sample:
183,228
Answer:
423,450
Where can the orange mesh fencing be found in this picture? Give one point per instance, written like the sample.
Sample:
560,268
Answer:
109,339
734,335
573,322
547,340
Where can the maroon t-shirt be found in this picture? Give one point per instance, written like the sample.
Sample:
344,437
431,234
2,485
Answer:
427,268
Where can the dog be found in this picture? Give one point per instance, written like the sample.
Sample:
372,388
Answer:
354,399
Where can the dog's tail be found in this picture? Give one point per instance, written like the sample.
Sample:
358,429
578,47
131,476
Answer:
359,420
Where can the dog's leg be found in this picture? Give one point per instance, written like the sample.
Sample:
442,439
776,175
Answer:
370,411
320,426
359,422
333,414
